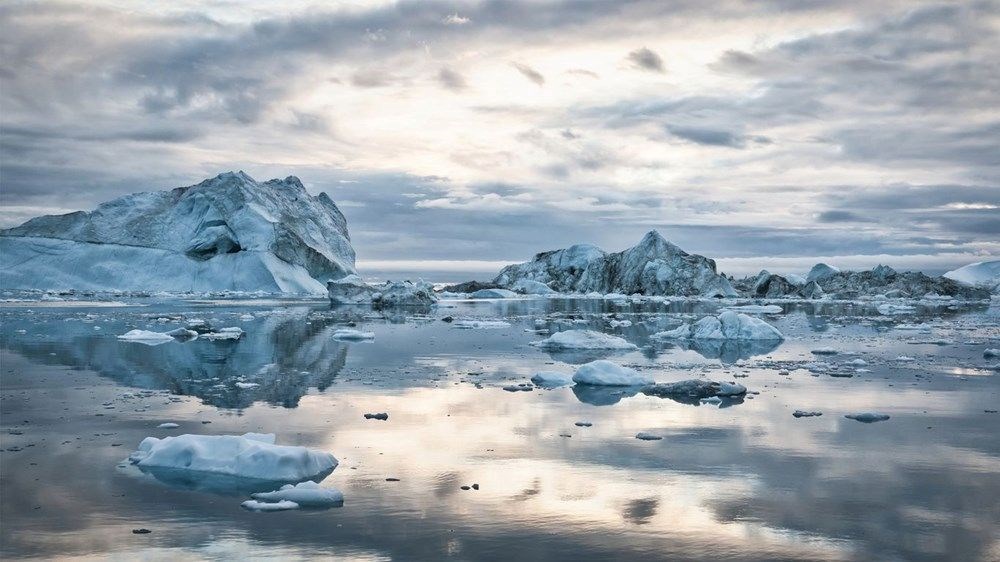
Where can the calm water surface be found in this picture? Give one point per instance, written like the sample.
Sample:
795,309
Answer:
743,480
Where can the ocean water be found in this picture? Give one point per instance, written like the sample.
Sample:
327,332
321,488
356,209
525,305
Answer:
740,480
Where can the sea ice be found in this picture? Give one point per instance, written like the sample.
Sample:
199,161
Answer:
146,337
352,334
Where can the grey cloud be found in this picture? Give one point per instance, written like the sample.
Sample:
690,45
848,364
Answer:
529,73
841,216
451,79
646,59
714,137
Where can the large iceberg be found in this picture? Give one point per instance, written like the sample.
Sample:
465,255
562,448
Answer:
652,267
229,232
984,274
884,280
252,455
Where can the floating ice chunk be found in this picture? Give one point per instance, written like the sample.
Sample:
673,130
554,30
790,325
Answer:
905,358
254,505
480,324
167,425
857,363
806,414
582,339
644,436
404,293
756,308
991,353
824,351
182,334
146,337
350,289
231,333
551,379
252,455
352,334
867,417
247,385
306,493
889,308
729,325
607,373
695,388
493,294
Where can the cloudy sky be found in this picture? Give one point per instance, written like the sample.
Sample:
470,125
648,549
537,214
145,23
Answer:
770,132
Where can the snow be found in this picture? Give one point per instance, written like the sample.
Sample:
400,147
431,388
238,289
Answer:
493,294
146,337
607,373
352,334
480,324
252,455
551,379
254,505
867,417
306,493
228,233
979,274
582,339
729,325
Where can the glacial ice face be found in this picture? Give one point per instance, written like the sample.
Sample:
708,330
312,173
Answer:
652,267
229,232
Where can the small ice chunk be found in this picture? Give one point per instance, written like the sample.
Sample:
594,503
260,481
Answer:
306,493
480,324
352,335
645,436
991,353
805,414
168,425
868,417
824,351
607,373
146,337
254,505
551,379
230,333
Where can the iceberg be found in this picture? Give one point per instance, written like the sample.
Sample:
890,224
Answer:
493,294
350,289
582,339
551,379
985,274
695,389
529,287
652,267
607,373
146,337
729,325
227,233
252,455
404,293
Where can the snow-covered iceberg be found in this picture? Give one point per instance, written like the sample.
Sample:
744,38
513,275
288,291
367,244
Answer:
652,267
350,289
729,325
229,232
252,455
404,294
984,274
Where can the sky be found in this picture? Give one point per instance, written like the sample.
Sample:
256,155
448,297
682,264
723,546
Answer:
466,135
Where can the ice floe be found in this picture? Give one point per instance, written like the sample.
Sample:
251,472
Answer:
608,373
583,339
252,455
306,494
